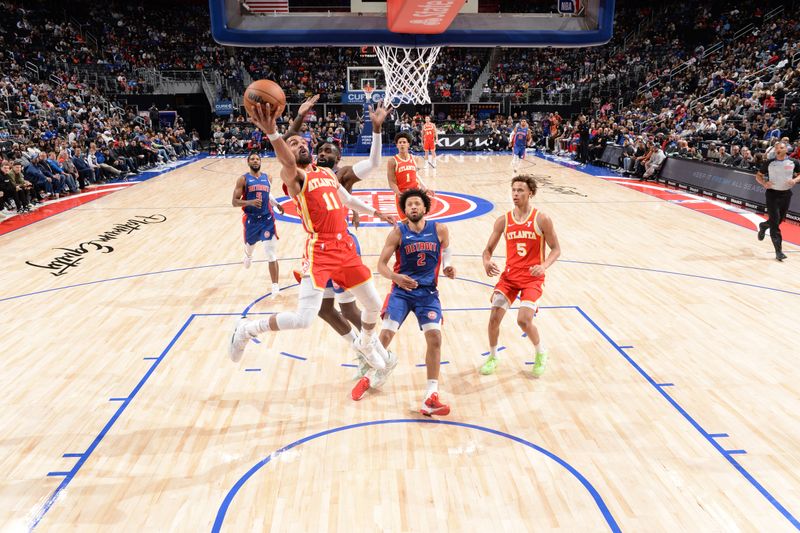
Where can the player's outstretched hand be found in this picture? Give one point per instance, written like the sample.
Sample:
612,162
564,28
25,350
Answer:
263,118
537,271
377,114
404,282
279,209
389,219
450,272
491,268
306,106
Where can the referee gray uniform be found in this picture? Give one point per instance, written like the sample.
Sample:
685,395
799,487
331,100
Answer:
780,178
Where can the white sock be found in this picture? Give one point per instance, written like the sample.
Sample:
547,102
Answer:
256,327
433,386
276,287
493,351
539,348
350,336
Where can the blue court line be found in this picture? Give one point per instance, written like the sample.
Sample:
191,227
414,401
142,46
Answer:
528,362
252,370
117,399
223,508
735,452
626,347
749,477
150,358
566,261
441,363
500,349
301,358
662,384
254,302
59,474
255,340
524,335
71,475
718,435
348,365
72,455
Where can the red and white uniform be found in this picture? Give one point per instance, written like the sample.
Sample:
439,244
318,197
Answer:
525,247
429,136
405,175
330,252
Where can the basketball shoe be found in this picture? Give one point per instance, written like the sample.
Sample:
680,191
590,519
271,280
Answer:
432,406
539,364
370,352
362,386
276,289
239,340
382,375
490,365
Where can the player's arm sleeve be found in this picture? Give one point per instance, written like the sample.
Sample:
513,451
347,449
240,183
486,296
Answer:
363,168
354,203
273,202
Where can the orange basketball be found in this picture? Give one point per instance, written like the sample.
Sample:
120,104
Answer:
264,92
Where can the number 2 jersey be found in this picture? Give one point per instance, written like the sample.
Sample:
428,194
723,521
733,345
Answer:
419,254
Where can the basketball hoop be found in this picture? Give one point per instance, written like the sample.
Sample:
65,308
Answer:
407,71
368,89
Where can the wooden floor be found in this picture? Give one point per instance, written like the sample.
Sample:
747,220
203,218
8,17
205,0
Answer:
122,412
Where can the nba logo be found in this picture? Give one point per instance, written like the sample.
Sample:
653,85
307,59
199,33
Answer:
432,315
568,7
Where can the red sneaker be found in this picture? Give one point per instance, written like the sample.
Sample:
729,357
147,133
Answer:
296,274
433,406
361,388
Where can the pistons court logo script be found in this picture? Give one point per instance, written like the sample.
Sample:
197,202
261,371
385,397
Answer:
445,206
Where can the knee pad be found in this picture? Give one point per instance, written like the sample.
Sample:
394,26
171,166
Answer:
367,296
270,249
499,300
308,303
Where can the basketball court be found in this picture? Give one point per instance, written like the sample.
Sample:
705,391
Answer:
669,403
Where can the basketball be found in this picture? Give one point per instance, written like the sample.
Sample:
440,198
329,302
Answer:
264,92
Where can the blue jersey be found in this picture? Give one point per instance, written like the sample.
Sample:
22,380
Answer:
257,188
307,136
521,137
419,254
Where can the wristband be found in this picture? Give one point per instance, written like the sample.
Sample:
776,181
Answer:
273,136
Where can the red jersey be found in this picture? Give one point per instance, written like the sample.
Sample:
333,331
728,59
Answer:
405,173
319,205
524,245
428,130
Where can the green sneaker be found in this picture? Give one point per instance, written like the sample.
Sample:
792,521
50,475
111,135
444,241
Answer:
490,365
539,364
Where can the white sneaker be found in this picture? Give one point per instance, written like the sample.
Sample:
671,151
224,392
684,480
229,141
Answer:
370,353
382,375
239,340
276,288
247,261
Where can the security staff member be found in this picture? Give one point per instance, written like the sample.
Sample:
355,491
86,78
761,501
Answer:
782,174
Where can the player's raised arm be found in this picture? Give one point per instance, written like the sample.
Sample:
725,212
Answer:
263,118
497,231
393,241
362,169
550,237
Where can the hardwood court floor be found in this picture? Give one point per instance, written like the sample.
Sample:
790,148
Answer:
121,410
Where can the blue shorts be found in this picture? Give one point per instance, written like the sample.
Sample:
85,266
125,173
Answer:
258,228
519,151
424,302
331,285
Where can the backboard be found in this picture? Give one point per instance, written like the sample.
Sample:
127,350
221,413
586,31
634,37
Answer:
531,23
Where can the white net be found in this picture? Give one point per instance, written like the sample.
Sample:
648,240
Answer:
407,71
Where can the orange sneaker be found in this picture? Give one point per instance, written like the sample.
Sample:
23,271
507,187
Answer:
296,274
361,388
432,406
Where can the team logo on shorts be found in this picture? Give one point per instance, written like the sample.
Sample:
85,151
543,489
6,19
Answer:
267,234
445,206
432,315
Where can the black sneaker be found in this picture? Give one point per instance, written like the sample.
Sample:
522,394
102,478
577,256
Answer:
780,256
761,232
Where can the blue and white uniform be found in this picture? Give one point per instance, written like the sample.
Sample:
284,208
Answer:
259,223
419,257
520,142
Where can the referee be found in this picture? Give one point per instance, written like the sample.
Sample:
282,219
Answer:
782,174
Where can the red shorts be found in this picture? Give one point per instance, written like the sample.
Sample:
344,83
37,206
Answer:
334,257
428,144
529,290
